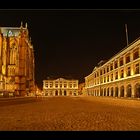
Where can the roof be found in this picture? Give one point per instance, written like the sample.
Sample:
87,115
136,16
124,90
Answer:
10,31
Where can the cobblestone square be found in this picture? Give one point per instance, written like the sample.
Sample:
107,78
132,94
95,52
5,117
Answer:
70,114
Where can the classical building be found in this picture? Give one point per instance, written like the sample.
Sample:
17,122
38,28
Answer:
119,76
16,62
60,87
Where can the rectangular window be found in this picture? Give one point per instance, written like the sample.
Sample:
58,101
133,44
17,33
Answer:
65,85
112,77
107,68
116,75
111,67
74,85
104,70
128,59
100,72
121,61
108,78
116,65
70,85
136,54
122,74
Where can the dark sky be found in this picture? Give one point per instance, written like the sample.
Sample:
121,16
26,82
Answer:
70,43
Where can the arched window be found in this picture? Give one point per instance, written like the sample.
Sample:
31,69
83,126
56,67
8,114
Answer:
112,91
65,93
116,91
107,91
137,91
122,91
128,90
101,94
56,93
104,91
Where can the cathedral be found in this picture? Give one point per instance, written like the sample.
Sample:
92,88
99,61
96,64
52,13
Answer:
17,76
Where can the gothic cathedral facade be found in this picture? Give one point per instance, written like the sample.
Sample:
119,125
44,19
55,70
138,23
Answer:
17,77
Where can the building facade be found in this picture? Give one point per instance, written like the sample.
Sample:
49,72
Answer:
60,87
119,76
16,62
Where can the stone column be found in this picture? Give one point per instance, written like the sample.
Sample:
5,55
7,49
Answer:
133,90
125,91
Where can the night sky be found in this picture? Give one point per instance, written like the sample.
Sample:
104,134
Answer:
70,43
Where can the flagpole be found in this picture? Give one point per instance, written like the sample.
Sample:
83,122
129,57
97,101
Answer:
126,33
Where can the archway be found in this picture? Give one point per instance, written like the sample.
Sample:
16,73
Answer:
65,93
101,94
128,90
56,93
116,91
112,91
104,91
122,91
137,91
107,91
97,92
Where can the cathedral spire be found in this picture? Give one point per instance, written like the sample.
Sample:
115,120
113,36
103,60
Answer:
21,24
26,25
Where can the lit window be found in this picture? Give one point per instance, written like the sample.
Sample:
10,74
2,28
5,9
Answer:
116,75
112,77
100,72
122,74
128,58
121,61
111,67
104,70
108,78
107,68
116,64
136,54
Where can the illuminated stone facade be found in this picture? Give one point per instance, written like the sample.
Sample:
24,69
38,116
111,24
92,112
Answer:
16,62
60,87
119,76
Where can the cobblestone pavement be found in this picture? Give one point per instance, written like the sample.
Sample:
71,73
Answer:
72,114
